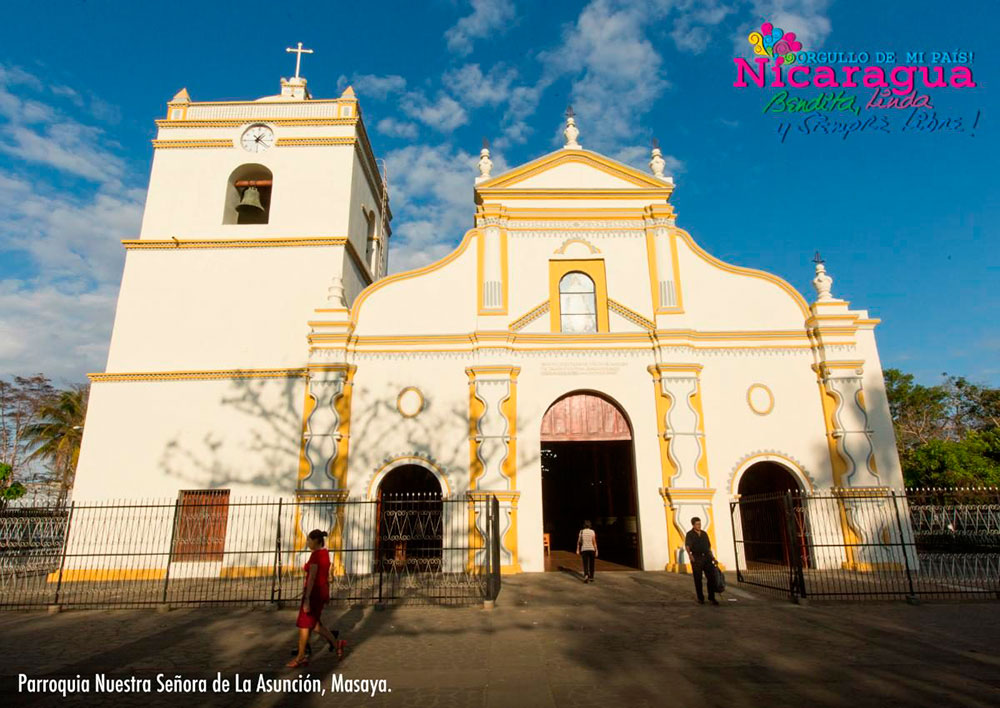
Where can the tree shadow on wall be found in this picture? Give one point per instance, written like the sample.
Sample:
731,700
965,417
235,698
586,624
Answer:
273,434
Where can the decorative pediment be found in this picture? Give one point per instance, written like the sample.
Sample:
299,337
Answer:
574,170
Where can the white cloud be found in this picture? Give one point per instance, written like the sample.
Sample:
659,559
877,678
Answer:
475,89
693,25
397,128
45,329
443,114
56,314
432,196
488,17
372,86
617,71
39,133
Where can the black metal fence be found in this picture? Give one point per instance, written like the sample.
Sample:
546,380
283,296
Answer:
209,549
870,543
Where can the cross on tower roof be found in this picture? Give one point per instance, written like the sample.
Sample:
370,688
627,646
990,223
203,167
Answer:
299,51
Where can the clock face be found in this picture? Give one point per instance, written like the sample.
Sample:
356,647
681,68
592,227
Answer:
257,138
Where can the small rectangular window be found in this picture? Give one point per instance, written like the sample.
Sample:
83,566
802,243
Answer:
200,525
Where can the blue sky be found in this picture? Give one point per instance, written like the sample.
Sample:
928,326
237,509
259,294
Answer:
907,222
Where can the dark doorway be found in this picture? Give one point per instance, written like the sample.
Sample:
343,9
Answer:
409,535
588,473
768,537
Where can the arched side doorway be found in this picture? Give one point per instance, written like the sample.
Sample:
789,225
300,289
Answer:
768,537
409,521
588,473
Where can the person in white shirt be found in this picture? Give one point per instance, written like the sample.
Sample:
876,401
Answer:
586,546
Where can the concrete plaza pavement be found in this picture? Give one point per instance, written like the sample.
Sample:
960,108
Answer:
635,639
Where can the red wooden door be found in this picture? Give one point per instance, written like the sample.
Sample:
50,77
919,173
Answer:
201,525
584,416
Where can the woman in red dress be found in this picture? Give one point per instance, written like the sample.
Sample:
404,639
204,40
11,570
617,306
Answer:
314,596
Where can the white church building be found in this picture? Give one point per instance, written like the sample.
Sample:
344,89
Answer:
578,355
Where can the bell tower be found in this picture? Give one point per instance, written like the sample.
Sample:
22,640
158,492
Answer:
257,212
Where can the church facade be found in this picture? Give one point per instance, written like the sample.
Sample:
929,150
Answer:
578,355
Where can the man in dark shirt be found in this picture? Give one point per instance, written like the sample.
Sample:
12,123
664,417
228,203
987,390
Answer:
699,550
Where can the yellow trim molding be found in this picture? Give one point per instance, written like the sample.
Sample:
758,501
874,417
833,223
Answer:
199,375
631,315
238,122
170,244
585,157
529,317
174,144
314,142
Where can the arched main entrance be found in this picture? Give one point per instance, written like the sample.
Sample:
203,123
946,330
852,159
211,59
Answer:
588,473
409,513
768,537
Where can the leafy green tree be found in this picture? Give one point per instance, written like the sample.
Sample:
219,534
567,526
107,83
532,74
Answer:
9,489
919,413
948,434
971,462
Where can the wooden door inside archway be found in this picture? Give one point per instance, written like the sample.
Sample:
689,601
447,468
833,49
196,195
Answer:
588,473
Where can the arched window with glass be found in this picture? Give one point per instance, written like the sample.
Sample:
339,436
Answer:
577,304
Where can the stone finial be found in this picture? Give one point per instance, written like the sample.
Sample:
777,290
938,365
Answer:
485,163
571,132
181,96
335,293
822,282
656,161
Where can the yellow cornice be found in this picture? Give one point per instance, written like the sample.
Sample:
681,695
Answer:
497,194
234,243
237,122
198,375
515,214
315,142
736,335
631,315
289,102
586,157
173,144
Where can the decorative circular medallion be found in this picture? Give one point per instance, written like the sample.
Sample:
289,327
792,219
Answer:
760,399
410,402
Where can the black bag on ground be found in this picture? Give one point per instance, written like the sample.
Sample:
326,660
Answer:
720,578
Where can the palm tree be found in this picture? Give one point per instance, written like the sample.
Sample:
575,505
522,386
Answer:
57,434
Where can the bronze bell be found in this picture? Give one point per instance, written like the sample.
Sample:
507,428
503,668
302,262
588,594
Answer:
250,201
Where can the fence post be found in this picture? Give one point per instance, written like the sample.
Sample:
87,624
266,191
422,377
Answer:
378,552
275,576
912,597
170,549
796,580
62,560
736,551
495,548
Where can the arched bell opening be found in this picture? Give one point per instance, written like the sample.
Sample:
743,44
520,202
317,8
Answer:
248,195
588,473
